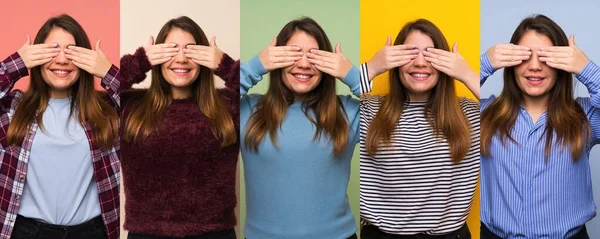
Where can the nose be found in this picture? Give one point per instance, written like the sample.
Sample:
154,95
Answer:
420,60
61,58
534,63
303,63
180,57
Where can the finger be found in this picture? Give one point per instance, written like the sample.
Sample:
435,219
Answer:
78,59
515,47
160,61
436,61
572,40
556,60
161,49
27,41
514,52
151,41
389,41
44,56
79,49
321,63
404,52
198,47
320,57
455,47
556,49
81,65
338,48
162,55
321,53
89,55
399,63
43,45
510,63
286,48
42,61
45,50
554,54
213,42
274,42
439,67
438,52
283,64
401,58
512,58
558,66
285,59
403,47
437,56
323,69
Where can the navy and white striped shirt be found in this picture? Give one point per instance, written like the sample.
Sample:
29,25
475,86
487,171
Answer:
525,196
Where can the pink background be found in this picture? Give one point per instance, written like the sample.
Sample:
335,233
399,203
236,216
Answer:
99,19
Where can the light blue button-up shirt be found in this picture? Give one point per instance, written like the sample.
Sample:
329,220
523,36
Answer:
523,195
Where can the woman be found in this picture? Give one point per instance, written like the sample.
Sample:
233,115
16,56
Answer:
535,172
59,140
299,137
419,144
179,137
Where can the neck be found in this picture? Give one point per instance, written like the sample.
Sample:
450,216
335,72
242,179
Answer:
181,93
412,97
535,104
59,94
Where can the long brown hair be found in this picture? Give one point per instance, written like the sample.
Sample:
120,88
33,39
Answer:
442,110
321,106
565,117
145,114
86,102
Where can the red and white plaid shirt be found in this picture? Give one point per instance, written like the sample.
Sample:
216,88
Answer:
13,159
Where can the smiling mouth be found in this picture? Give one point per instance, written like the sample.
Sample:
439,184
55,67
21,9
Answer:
302,77
61,73
535,81
180,72
420,76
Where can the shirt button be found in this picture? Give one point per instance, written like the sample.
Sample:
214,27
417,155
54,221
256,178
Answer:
18,197
22,176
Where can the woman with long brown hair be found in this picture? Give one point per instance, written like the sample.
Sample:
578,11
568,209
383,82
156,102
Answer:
299,137
179,144
536,138
419,144
59,162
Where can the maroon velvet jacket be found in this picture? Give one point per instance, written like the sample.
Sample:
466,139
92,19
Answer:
179,181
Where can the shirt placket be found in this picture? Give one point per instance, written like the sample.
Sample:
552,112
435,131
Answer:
534,132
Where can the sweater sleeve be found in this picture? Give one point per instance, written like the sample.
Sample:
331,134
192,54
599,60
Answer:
134,68
250,74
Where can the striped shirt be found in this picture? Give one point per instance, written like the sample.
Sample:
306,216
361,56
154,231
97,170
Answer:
412,186
524,195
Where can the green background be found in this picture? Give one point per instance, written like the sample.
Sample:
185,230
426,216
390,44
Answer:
261,21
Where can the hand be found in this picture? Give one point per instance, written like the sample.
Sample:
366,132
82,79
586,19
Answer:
275,57
209,56
92,61
390,57
507,55
567,58
450,63
160,53
38,54
334,64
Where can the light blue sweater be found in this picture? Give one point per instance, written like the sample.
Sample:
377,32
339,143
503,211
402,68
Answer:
297,190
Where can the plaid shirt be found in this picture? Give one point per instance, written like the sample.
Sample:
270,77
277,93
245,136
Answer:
13,159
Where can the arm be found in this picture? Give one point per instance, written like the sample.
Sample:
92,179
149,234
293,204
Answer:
134,68
352,80
366,83
11,70
251,73
229,71
486,69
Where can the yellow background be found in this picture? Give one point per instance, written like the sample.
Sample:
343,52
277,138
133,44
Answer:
459,22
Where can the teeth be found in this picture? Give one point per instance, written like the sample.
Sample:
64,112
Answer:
181,70
302,76
534,79
61,72
419,75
